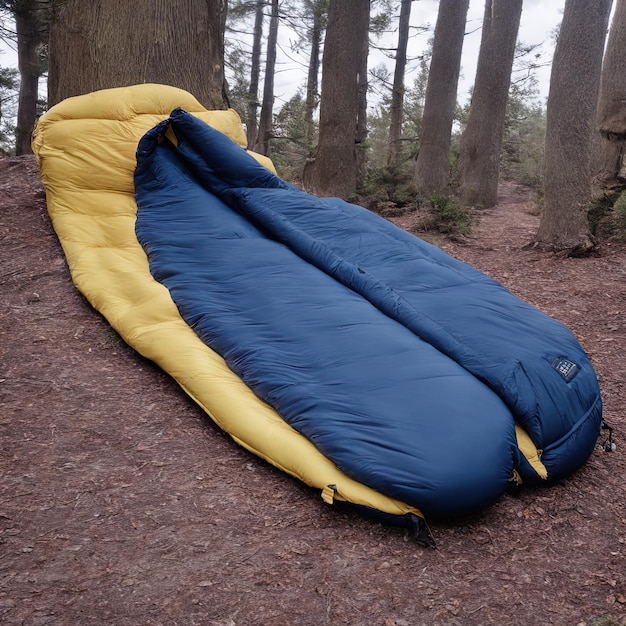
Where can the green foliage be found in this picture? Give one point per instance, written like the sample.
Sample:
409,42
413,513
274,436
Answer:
380,23
9,86
287,139
414,98
237,54
459,122
300,17
523,136
607,215
388,185
7,137
288,146
606,621
378,133
620,213
599,209
446,216
241,9
235,64
521,158
378,120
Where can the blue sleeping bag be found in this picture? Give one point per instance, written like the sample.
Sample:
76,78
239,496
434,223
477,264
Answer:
405,367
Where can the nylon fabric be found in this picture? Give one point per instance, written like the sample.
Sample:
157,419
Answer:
344,351
85,147
400,363
502,340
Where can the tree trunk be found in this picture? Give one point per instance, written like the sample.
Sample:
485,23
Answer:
319,10
362,85
432,168
481,141
397,91
262,144
255,72
570,121
608,162
333,171
610,143
113,43
29,26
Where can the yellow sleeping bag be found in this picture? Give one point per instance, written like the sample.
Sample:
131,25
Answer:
86,147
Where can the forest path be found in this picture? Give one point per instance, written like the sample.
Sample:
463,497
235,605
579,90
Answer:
121,503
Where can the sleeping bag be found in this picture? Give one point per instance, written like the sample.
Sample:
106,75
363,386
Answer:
350,353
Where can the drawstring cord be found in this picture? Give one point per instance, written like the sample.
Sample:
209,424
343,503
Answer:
609,444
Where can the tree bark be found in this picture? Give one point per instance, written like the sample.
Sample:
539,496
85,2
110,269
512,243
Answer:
113,43
334,169
397,90
608,163
360,137
262,144
610,140
29,37
481,141
432,168
319,10
570,121
255,72
32,19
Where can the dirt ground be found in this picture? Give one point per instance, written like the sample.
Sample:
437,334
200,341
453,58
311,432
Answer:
121,503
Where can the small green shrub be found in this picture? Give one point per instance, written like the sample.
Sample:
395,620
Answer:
446,216
607,215
606,621
619,208
599,209
389,184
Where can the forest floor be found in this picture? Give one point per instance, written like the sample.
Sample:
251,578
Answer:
121,503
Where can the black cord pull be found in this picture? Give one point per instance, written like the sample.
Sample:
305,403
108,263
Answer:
609,444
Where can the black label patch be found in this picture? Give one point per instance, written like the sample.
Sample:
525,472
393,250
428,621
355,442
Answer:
568,369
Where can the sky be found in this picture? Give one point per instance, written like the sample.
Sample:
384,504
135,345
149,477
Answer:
539,18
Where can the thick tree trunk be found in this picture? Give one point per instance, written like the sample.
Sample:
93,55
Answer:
397,91
333,171
612,100
571,115
610,144
479,150
262,144
29,29
432,168
112,43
